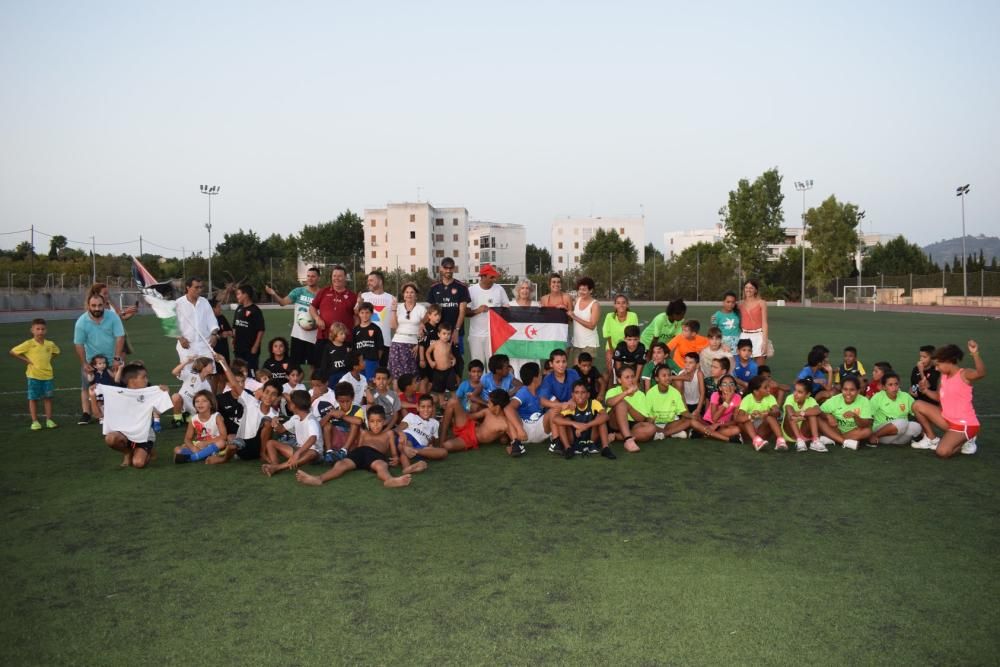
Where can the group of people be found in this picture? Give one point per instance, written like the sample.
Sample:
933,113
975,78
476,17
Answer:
374,405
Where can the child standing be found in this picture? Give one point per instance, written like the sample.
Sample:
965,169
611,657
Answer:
658,356
277,362
367,337
37,353
333,359
691,383
689,340
727,320
630,351
355,376
441,362
715,350
384,395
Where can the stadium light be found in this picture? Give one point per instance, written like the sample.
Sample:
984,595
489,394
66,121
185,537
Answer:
803,187
960,192
210,191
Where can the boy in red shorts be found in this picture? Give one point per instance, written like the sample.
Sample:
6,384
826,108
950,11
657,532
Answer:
473,428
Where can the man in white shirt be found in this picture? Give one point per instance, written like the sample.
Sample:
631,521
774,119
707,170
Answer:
485,295
383,305
196,322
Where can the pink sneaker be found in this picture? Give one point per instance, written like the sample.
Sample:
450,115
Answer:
780,445
759,443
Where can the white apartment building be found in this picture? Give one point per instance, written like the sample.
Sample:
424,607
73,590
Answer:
498,243
411,236
570,236
674,243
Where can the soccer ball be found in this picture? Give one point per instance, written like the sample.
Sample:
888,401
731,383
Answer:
305,321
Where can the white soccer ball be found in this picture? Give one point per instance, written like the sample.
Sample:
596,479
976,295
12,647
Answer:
305,321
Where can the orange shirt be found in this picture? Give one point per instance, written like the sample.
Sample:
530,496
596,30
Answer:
681,345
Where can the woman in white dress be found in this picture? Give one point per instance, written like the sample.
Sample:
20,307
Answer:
586,313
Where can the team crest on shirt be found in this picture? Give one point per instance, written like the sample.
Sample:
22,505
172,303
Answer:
371,333
140,398
246,313
454,291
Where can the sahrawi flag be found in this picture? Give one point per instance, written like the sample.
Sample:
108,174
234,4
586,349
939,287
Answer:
528,332
152,292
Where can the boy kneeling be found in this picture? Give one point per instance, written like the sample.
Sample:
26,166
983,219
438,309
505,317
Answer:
128,413
375,447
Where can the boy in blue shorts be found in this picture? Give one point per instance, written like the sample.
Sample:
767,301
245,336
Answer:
744,367
37,353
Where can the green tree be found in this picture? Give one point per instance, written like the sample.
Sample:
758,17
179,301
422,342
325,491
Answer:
57,244
651,252
753,218
605,244
24,250
336,240
897,257
832,231
537,260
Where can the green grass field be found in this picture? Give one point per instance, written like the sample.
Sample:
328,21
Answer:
690,552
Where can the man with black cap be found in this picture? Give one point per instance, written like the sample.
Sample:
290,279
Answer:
483,296
451,296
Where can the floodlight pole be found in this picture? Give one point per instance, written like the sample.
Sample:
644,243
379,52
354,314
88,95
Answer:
960,192
803,187
210,191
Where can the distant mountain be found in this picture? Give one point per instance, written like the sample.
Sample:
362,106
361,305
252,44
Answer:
946,250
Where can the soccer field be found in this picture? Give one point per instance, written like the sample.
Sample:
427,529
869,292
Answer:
690,552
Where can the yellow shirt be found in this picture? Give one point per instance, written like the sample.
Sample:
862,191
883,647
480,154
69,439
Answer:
40,355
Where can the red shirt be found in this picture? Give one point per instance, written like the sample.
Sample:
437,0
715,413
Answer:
334,306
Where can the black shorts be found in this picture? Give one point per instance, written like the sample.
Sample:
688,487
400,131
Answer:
250,451
363,457
148,446
302,352
441,381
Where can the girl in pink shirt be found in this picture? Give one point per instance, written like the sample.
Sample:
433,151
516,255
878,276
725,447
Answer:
717,422
956,416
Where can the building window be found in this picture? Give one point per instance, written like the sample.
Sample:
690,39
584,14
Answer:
454,222
373,222
576,245
560,259
413,218
576,258
374,239
621,230
413,234
439,238
439,253
475,242
454,237
475,256
413,268
439,222
374,254
559,245
413,252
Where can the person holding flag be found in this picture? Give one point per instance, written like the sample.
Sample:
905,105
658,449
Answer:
483,296
197,327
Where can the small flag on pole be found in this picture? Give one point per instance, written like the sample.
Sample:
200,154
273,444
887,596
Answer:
153,293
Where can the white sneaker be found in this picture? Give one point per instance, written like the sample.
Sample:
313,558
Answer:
817,446
680,434
801,446
826,441
659,436
923,443
850,444
934,443
970,447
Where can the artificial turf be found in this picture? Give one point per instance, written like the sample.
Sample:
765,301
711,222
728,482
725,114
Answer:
690,552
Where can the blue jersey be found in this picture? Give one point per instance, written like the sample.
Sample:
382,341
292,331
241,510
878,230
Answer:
744,373
553,389
489,384
463,392
807,373
529,406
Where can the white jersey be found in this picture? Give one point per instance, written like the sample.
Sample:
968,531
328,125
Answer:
496,296
130,411
305,429
422,430
206,430
382,303
191,384
287,389
360,386
253,417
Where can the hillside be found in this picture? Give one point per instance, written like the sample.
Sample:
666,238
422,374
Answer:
948,249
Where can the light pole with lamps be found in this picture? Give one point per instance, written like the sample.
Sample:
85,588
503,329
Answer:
960,192
803,186
210,191
861,251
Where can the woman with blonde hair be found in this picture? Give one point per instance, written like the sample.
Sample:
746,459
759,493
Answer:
522,298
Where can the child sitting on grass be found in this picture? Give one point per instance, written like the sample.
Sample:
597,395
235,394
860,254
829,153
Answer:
595,381
382,394
375,451
802,418
850,367
758,415
583,425
128,411
629,352
715,350
891,411
307,446
658,356
719,368
340,421
817,370
37,354
717,422
293,383
779,391
848,417
744,367
355,376
878,373
206,433
688,340
419,438
956,417
484,425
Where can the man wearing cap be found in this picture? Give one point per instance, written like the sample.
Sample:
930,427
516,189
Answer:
487,294
451,296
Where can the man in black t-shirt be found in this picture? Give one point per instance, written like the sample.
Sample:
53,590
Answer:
248,325
452,296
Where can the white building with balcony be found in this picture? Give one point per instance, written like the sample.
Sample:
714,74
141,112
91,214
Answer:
569,236
412,236
498,243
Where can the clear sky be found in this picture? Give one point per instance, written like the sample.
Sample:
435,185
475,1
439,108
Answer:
112,114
